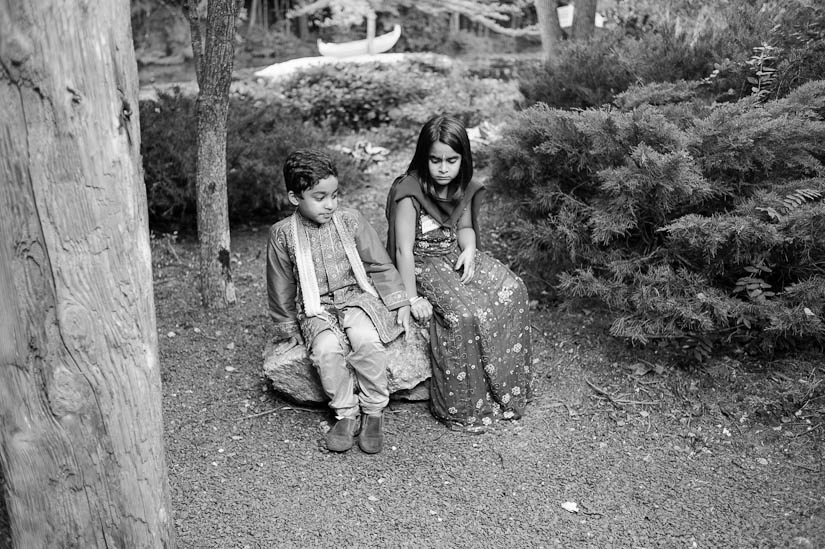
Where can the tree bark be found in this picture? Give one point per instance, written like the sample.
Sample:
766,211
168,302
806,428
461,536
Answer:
214,58
254,8
549,29
584,19
455,23
81,434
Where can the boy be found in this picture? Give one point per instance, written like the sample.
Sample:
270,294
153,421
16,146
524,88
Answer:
326,269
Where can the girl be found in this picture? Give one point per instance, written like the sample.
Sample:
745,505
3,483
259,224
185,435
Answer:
477,308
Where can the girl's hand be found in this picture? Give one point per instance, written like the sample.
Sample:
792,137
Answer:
466,260
421,309
403,319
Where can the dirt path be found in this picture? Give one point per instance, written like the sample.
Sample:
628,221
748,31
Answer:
652,456
619,449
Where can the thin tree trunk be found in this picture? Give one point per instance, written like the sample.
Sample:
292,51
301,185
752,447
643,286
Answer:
254,8
214,59
584,19
549,28
371,32
81,434
455,23
303,23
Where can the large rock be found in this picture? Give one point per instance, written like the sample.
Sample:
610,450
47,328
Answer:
408,369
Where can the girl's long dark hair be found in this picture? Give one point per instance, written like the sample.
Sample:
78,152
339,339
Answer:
452,133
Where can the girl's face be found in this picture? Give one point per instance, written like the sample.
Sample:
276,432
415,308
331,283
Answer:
444,163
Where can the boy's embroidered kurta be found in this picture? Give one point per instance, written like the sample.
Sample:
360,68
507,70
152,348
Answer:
337,285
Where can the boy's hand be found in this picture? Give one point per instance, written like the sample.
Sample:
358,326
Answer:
293,341
466,260
403,319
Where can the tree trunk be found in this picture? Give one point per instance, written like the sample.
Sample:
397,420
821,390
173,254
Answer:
549,28
214,57
455,23
584,19
254,8
81,434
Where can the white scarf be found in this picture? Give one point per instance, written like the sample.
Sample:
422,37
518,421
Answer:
306,267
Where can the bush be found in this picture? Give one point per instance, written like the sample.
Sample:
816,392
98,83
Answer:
696,233
799,37
259,137
405,94
352,96
590,74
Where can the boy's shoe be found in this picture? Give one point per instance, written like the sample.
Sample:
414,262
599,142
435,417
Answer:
371,439
340,437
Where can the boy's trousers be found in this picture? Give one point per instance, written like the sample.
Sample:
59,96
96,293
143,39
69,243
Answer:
367,359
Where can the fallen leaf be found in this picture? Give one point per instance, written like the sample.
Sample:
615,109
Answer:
570,506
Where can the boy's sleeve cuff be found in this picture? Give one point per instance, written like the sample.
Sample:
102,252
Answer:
396,300
285,330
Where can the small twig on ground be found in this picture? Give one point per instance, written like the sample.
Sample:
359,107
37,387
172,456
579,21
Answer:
600,391
809,431
172,250
273,410
811,469
617,401
267,412
500,457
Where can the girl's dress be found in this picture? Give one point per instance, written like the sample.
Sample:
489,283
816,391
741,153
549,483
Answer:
480,332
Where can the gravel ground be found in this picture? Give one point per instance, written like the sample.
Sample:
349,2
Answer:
619,449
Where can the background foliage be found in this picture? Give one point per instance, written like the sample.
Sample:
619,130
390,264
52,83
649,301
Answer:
684,191
260,135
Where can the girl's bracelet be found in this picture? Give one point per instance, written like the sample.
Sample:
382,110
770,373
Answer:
415,300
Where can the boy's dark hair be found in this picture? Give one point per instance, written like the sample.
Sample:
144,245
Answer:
304,168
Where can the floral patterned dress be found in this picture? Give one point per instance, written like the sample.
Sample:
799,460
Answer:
480,332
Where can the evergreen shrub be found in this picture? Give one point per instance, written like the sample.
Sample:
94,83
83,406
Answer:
591,73
697,233
259,137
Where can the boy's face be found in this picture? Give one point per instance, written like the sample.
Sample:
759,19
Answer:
319,202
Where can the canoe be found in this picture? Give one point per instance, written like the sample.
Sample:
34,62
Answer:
380,44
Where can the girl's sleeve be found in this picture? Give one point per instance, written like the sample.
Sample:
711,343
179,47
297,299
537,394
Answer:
378,265
281,287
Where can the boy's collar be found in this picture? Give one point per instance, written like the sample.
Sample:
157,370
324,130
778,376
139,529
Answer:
307,221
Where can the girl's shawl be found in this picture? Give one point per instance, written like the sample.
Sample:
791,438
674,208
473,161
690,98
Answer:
447,213
306,267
